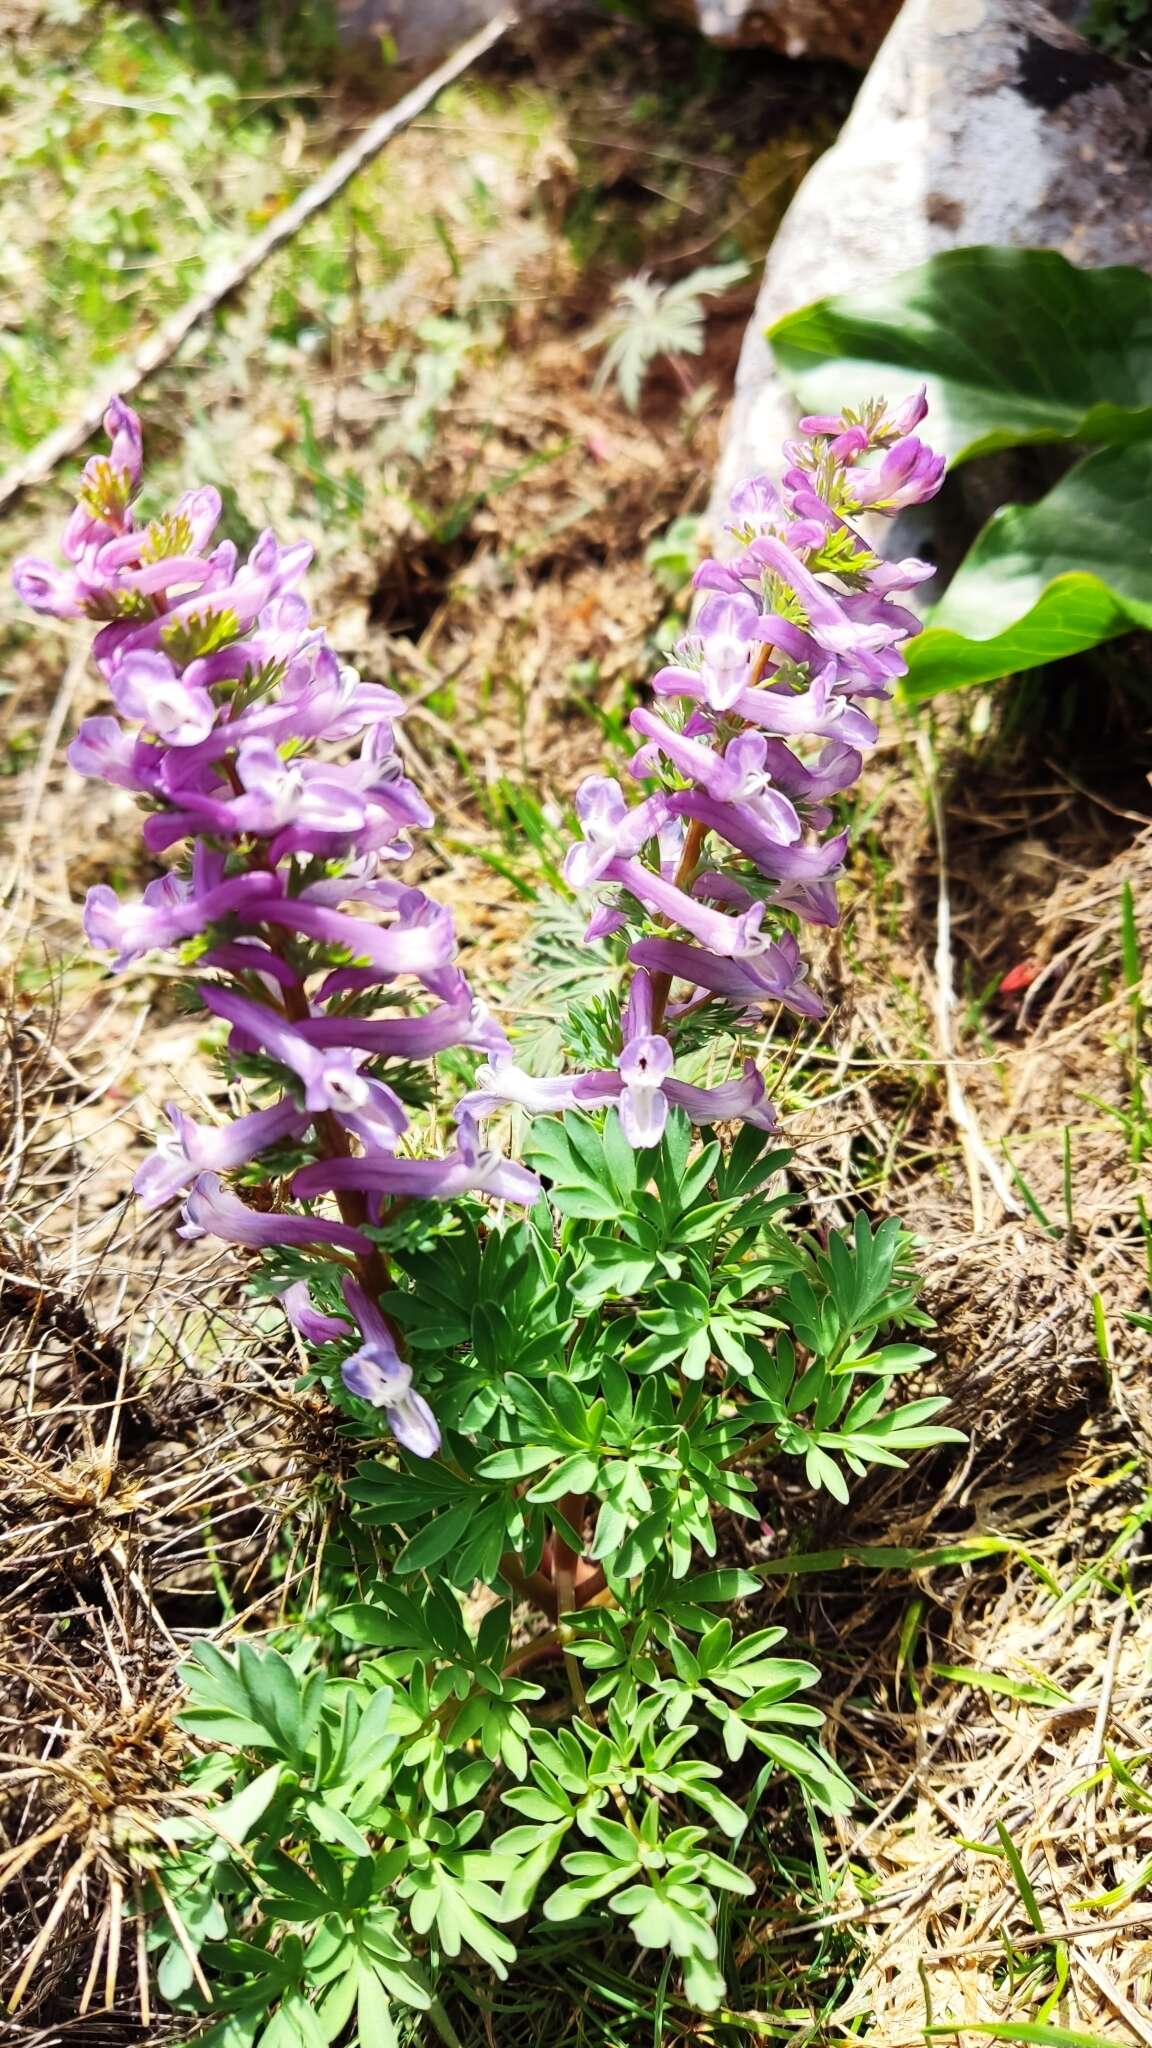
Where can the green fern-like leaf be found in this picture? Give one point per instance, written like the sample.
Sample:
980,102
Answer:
647,320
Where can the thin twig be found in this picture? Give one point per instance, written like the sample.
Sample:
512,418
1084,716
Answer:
1113,1995
46,1932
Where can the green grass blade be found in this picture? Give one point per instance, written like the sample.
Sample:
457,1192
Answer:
1042,2035
1039,1694
1023,1881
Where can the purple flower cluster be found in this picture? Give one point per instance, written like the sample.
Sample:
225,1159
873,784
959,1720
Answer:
235,727
798,629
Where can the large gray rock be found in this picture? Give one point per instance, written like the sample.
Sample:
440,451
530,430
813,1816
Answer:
980,121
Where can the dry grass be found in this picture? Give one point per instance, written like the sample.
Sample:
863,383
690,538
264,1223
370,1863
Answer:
997,1679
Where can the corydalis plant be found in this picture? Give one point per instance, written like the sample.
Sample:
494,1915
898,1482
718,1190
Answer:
586,1396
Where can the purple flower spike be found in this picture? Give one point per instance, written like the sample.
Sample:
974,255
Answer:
799,626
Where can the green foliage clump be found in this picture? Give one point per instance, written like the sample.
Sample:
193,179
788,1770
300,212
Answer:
406,1773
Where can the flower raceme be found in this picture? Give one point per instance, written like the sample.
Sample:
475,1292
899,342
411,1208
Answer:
234,724
799,627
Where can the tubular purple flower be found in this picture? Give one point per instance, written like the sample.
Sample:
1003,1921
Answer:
459,1020
419,944
313,1325
739,824
192,1148
211,1210
774,976
127,451
611,828
836,768
829,623
170,910
377,1373
909,474
719,656
469,1170
645,1067
735,937
737,775
815,713
741,1100
103,750
253,956
500,1083
147,689
331,1077
44,588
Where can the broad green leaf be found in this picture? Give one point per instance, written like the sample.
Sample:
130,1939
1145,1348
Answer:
1047,580
1014,345
728,1584
294,2025
517,1463
520,1889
